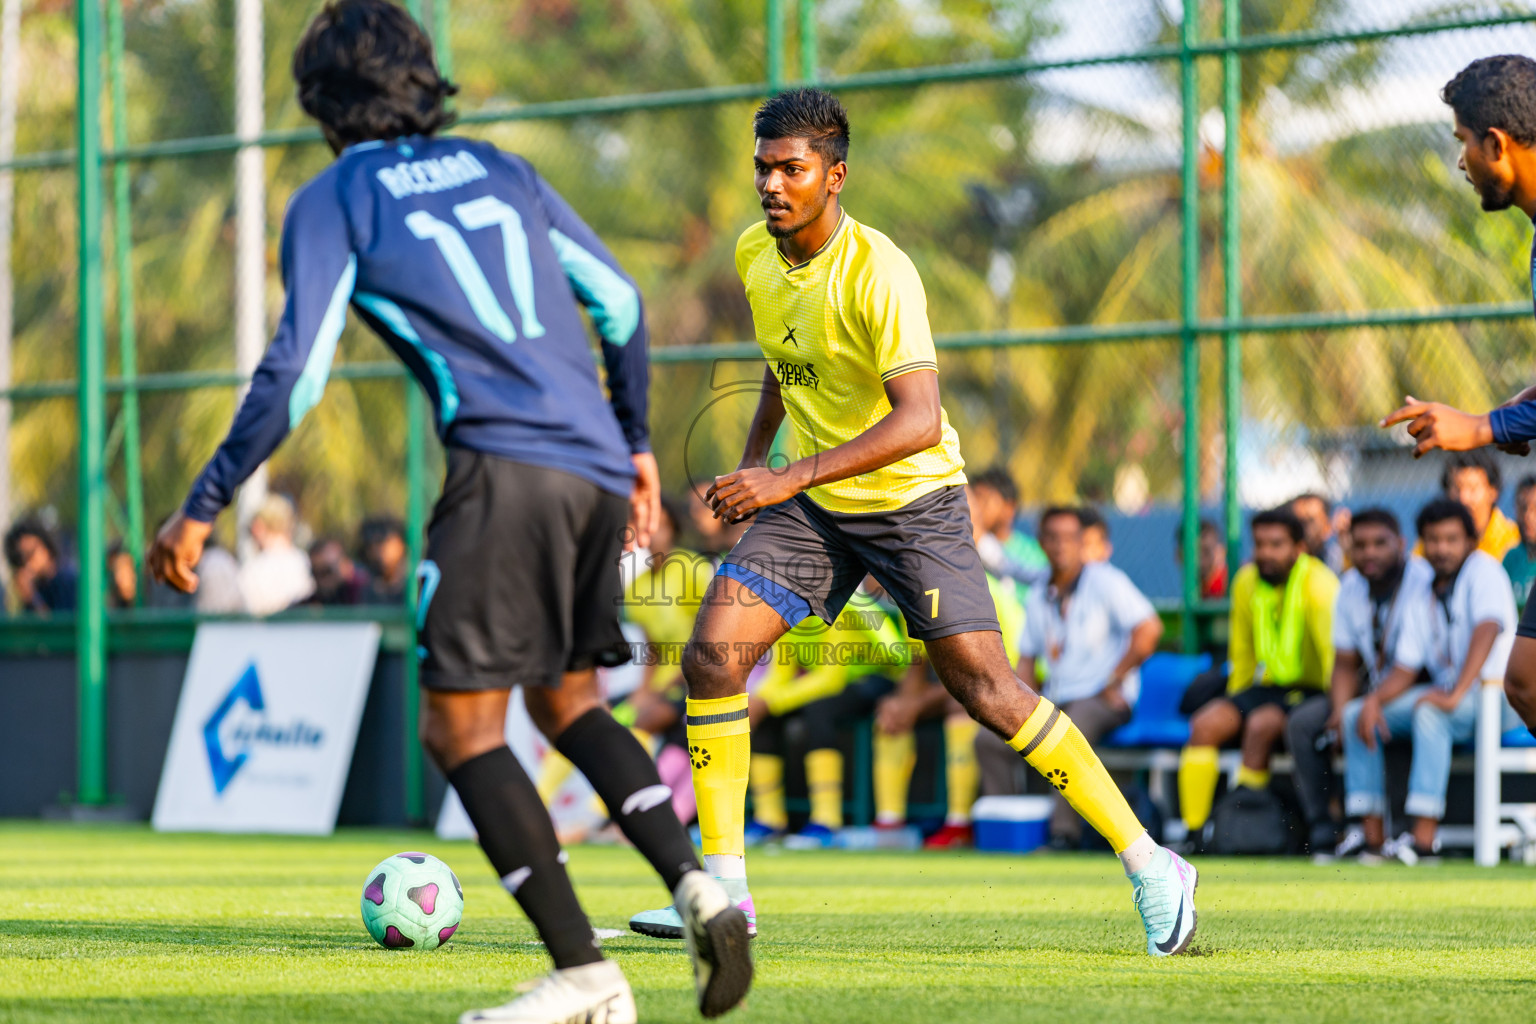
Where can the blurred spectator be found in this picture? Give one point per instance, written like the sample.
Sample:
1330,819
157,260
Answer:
1210,559
1473,479
384,555
1096,543
1281,656
1461,635
277,576
1520,563
1316,515
1368,622
41,582
1093,630
122,577
1006,552
218,582
338,580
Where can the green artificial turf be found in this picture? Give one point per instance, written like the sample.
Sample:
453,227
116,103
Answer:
118,924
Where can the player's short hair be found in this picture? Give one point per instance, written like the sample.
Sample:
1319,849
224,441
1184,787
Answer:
378,529
28,528
1056,511
365,70
1479,458
808,114
1281,516
1441,510
1376,516
1313,496
1496,92
1000,480
1092,519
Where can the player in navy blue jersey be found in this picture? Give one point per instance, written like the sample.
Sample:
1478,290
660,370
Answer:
1494,100
473,270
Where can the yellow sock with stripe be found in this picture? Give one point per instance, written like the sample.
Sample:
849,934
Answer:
768,791
961,772
1057,749
1253,778
895,758
1198,772
720,747
824,779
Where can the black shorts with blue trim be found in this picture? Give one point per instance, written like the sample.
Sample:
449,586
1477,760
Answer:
520,583
804,560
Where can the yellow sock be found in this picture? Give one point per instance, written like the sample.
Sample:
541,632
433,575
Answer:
768,791
1253,778
553,771
824,778
961,772
895,758
720,746
1198,773
1057,749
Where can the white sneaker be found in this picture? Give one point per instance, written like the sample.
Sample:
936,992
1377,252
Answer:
716,931
1407,851
595,993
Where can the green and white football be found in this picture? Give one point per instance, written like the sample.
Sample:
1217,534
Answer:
412,901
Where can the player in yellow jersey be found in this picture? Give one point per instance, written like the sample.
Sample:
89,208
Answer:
877,487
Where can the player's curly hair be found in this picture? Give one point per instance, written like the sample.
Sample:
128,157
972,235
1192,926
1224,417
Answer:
808,114
366,70
1496,92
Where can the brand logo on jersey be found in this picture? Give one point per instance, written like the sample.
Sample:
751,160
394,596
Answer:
796,375
414,177
789,339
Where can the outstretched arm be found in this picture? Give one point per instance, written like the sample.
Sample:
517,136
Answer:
1437,425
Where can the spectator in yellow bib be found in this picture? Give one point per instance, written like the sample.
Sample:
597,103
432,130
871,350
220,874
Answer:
1282,658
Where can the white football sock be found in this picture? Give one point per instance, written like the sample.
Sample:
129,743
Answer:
1138,855
725,865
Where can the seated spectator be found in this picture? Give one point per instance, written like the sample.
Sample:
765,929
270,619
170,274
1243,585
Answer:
1368,619
813,678
1281,650
122,577
41,582
1316,515
1097,546
1091,630
1473,479
277,576
338,580
384,553
218,582
1520,563
1210,559
1006,551
919,696
1461,633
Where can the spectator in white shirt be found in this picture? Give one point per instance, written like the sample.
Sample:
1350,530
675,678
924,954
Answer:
1092,629
278,575
1373,600
1461,634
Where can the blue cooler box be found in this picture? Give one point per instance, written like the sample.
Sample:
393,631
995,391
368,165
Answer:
1012,824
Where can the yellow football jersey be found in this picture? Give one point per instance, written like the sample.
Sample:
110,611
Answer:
833,330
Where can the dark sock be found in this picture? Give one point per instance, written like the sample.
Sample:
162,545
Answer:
625,779
517,837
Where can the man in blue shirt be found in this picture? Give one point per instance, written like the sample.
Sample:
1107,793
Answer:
1494,100
472,269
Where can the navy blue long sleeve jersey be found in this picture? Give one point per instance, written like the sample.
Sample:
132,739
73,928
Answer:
471,269
1518,422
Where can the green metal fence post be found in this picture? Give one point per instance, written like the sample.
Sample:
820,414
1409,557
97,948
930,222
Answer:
1232,275
1189,243
773,58
808,41
127,338
91,620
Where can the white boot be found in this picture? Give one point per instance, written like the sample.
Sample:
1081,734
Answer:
716,930
592,992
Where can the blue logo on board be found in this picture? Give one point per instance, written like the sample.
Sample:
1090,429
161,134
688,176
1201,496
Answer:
231,733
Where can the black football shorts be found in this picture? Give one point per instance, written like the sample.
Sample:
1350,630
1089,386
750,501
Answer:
802,559
520,583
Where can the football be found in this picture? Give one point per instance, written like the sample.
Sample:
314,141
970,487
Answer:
412,901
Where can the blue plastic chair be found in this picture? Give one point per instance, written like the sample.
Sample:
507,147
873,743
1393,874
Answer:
1156,721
